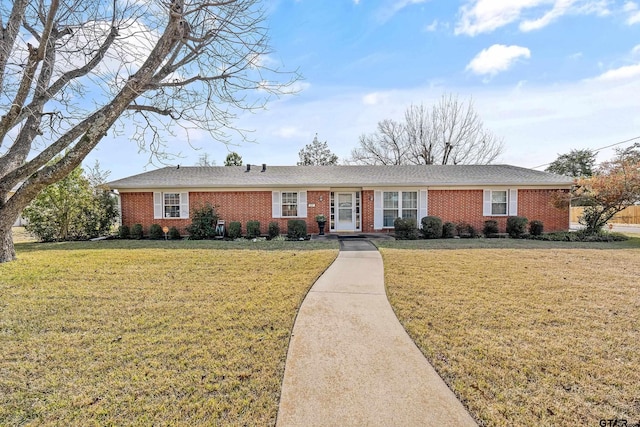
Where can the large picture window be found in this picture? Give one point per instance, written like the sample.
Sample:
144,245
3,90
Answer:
289,204
399,204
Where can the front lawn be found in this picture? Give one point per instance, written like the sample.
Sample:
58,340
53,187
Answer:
542,335
149,333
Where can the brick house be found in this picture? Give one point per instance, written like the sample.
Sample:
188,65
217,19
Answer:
353,198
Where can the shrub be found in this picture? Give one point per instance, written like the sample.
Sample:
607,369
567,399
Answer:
203,224
405,229
464,229
431,227
174,234
490,227
580,236
235,230
296,229
536,228
124,232
516,226
137,232
448,230
274,230
253,229
155,232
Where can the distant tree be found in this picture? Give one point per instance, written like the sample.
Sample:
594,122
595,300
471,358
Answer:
72,208
205,160
233,159
317,153
614,186
451,132
576,163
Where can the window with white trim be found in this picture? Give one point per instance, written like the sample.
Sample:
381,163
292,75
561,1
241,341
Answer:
171,205
289,204
499,202
399,204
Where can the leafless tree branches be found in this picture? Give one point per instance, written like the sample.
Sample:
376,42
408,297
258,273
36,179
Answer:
71,69
450,133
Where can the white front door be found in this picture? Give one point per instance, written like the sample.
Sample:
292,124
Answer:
346,212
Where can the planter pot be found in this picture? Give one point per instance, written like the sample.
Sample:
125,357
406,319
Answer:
321,227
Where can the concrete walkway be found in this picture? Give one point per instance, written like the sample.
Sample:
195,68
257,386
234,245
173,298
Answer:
350,362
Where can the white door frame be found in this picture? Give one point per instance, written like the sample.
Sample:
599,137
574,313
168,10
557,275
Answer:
345,226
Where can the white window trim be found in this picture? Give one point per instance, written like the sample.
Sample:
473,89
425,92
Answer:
512,202
379,205
158,205
276,200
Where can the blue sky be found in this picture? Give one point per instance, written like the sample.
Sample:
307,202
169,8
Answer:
547,76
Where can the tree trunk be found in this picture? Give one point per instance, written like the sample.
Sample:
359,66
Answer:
7,251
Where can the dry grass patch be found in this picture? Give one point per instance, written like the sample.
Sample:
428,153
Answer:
526,336
109,336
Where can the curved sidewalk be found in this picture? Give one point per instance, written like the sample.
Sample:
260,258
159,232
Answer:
351,363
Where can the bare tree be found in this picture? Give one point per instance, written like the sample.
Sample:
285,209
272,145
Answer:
387,146
71,69
451,132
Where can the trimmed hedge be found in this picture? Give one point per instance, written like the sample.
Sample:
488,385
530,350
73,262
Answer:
517,226
448,230
464,229
490,227
137,232
124,232
405,229
253,229
536,228
174,234
274,230
235,230
155,232
431,227
296,229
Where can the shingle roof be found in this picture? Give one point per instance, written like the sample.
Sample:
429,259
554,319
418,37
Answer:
339,176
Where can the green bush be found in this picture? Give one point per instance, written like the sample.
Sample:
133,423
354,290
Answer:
448,230
431,227
296,229
490,227
155,232
124,232
405,229
235,230
253,229
174,234
203,224
517,226
536,228
274,230
581,236
137,232
466,230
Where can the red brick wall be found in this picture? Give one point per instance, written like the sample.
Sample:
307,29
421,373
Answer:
449,205
466,205
239,206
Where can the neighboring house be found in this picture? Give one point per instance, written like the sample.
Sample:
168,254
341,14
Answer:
20,222
353,198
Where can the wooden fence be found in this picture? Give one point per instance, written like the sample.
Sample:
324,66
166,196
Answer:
630,215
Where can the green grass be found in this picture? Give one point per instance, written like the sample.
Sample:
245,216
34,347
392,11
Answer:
150,333
541,335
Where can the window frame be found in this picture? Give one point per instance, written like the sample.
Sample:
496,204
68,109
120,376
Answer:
399,208
283,204
166,205
511,202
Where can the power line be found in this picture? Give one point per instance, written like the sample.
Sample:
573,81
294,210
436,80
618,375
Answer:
597,149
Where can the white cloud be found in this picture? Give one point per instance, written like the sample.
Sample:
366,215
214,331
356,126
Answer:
484,16
431,27
622,73
392,7
633,10
374,98
497,58
288,132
